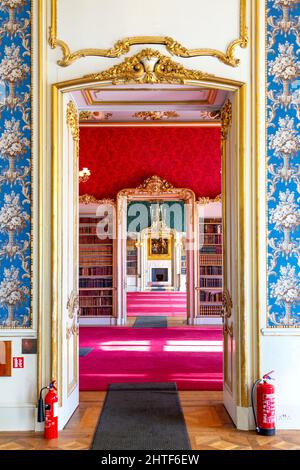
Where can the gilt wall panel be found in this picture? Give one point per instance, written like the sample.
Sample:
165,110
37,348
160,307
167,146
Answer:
15,164
283,169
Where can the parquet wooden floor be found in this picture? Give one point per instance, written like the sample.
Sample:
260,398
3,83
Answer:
209,427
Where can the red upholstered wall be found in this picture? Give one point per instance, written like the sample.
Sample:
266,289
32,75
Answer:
123,157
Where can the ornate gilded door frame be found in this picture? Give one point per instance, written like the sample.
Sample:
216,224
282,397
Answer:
156,189
151,67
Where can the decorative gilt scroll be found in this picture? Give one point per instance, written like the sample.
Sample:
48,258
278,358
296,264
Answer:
155,186
227,304
72,330
149,66
228,338
73,120
73,305
123,46
207,200
90,199
226,119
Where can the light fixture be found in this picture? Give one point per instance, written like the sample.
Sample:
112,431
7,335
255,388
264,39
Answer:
84,175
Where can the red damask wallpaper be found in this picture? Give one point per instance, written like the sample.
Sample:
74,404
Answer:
122,157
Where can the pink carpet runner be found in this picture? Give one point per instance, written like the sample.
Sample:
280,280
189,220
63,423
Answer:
190,356
170,304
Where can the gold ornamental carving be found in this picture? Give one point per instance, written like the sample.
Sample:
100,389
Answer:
85,115
207,200
155,115
148,66
72,119
94,116
156,187
227,304
228,329
90,199
73,305
72,330
123,46
226,119
155,184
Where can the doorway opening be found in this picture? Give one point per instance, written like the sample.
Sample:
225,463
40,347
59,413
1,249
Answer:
206,286
151,258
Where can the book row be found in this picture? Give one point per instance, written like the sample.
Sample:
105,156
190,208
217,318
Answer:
207,282
93,283
96,311
211,270
211,297
95,271
210,239
91,248
94,239
217,249
95,293
95,301
211,228
210,310
91,220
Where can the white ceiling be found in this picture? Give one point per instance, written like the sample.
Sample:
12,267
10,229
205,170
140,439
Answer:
138,103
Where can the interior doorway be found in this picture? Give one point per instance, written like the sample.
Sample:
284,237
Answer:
156,286
64,94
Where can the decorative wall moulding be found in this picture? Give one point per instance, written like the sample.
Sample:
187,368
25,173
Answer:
155,115
123,46
89,199
275,331
208,200
148,66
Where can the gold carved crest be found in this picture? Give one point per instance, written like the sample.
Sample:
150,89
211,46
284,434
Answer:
148,66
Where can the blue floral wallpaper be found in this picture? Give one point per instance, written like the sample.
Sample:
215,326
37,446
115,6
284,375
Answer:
283,170
283,167
15,164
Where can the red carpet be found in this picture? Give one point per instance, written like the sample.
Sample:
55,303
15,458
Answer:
190,356
170,304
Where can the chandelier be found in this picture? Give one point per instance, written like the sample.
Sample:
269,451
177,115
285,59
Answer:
158,216
84,175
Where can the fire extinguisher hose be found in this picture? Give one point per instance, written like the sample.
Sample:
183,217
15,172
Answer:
252,402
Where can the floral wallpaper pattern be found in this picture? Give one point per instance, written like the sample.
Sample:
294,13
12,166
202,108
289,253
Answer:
15,161
283,170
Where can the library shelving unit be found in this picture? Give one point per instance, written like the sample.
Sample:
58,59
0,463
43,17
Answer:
210,266
131,257
132,265
96,271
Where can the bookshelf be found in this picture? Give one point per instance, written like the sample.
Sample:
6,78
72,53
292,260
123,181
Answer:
132,257
210,268
96,273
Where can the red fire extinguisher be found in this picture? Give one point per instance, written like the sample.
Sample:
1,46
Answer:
49,411
264,415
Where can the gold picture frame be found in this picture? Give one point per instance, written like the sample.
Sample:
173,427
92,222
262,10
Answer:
160,247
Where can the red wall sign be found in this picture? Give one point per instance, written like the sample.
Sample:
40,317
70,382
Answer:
18,362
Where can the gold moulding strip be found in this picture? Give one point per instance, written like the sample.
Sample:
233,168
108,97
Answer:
123,46
90,199
207,200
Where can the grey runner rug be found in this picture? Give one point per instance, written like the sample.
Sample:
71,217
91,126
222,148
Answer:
84,351
151,322
141,417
